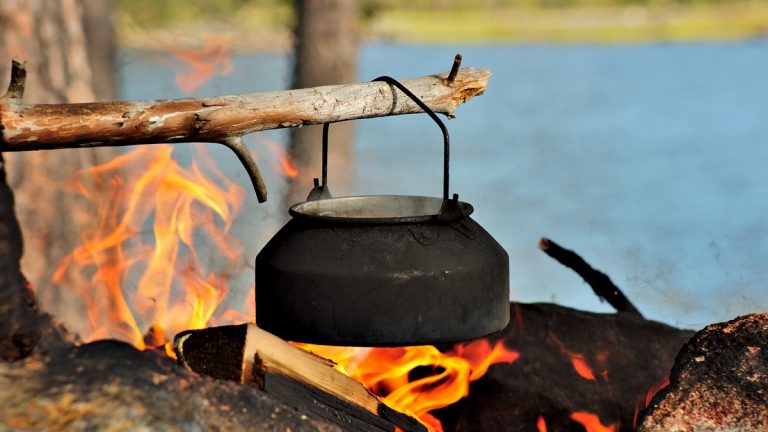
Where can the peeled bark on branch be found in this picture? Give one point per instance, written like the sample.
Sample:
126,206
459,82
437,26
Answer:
222,119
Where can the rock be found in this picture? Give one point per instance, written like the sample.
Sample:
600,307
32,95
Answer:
719,381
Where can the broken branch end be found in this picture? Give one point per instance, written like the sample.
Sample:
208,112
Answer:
18,80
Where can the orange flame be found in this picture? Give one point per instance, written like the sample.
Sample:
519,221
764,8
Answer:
591,422
580,365
646,401
144,290
579,361
198,66
389,372
286,166
541,424
655,389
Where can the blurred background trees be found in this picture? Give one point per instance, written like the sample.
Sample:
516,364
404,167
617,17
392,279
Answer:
254,22
325,53
534,78
69,47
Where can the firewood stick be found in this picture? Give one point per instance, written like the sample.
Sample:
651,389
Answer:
221,119
301,365
600,282
250,355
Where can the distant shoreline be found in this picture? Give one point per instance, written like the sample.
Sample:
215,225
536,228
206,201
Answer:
593,24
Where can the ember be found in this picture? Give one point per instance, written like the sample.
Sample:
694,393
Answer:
591,422
578,361
541,424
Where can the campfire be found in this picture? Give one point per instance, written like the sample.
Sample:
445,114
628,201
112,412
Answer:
154,272
145,289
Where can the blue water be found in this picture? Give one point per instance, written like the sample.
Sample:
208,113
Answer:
649,160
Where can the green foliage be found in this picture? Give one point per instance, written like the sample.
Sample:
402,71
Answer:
507,4
478,21
149,13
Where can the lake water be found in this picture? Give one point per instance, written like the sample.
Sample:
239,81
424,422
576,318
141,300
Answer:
648,160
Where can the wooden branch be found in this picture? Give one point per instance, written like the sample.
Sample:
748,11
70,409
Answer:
18,81
220,119
601,284
249,355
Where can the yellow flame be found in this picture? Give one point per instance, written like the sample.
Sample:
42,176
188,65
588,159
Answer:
162,277
389,372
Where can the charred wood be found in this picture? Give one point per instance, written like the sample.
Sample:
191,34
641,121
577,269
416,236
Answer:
23,328
19,316
719,381
570,361
601,284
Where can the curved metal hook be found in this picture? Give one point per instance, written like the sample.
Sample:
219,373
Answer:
443,129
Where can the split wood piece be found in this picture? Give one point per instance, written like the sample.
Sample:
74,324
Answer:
250,355
222,119
601,284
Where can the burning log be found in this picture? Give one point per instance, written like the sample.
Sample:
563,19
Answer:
247,354
719,381
574,368
223,119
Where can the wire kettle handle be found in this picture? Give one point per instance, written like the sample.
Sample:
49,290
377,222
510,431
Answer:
446,139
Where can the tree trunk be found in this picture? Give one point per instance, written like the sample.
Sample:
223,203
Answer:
326,53
98,25
50,36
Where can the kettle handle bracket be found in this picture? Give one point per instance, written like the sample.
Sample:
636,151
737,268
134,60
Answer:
446,142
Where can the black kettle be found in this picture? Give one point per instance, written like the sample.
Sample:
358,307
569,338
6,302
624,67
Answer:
384,270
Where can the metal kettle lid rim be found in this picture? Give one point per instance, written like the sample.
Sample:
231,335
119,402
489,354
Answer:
374,209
